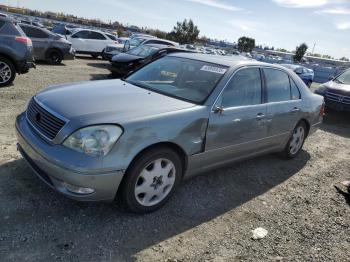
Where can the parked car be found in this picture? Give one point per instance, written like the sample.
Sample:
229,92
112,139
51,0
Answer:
92,42
306,74
34,23
3,15
47,45
124,63
63,29
337,92
135,139
16,52
137,41
114,49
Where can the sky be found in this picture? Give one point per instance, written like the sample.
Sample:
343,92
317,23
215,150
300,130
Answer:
278,23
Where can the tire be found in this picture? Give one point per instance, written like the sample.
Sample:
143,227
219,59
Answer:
7,72
95,56
55,57
309,83
296,141
103,55
151,180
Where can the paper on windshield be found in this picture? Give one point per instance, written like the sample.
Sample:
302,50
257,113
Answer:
214,69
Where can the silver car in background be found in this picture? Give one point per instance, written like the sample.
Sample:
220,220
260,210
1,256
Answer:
135,139
48,46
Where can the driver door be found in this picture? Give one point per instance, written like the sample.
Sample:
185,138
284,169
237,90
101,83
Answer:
237,126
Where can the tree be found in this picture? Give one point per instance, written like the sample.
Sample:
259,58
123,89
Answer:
246,44
300,52
184,33
344,59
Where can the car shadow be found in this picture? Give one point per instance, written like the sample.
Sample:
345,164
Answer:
63,228
336,122
49,64
99,65
101,76
87,57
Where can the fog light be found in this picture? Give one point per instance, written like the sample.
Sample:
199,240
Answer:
78,190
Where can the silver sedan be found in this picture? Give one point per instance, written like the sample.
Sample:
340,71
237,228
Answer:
135,139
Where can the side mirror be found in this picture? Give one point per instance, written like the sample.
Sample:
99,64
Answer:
330,78
298,71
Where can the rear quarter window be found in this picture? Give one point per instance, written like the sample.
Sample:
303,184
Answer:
277,84
1,24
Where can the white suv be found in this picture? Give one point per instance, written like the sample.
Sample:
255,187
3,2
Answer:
86,41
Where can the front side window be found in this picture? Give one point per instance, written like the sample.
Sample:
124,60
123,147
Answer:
111,37
344,78
277,84
244,89
81,34
182,78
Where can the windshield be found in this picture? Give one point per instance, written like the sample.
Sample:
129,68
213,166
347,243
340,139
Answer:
143,51
136,41
344,78
186,79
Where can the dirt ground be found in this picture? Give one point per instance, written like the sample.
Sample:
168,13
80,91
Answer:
210,217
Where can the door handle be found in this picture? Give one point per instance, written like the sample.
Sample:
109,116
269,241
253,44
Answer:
295,109
260,116
218,110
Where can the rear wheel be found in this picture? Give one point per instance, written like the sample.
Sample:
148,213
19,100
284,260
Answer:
95,56
7,72
296,141
55,57
151,180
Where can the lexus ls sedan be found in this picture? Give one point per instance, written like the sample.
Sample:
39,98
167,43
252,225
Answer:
135,139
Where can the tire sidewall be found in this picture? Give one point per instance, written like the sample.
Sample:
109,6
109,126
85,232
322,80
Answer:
128,185
13,71
287,152
50,56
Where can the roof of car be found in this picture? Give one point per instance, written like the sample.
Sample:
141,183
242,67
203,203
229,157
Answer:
229,61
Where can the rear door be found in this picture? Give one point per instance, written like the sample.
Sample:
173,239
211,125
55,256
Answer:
283,105
237,123
97,42
40,40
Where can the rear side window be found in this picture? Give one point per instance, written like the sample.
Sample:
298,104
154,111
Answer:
294,90
277,84
112,37
35,33
244,89
159,42
96,36
2,24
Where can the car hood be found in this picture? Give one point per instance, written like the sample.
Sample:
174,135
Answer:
124,57
337,86
112,101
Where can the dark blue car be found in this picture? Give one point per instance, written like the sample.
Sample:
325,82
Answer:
306,74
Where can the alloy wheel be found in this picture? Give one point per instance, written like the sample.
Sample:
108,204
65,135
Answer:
5,72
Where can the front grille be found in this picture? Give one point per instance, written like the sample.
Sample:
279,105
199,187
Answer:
337,97
43,121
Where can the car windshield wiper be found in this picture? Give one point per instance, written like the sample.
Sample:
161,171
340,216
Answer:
338,81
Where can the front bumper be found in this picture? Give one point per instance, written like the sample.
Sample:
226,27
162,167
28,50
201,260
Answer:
57,176
337,105
25,66
69,55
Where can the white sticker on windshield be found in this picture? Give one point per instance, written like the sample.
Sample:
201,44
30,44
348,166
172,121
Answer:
214,69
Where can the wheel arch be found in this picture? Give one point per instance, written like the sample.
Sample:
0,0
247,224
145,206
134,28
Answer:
53,49
307,123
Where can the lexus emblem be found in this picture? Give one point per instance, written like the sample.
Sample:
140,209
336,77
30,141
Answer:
341,99
38,117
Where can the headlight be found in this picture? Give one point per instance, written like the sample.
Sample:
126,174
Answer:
94,140
321,90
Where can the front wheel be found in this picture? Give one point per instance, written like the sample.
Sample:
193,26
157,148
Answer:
7,72
55,57
151,180
296,141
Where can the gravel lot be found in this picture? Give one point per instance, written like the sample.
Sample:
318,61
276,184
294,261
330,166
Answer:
209,218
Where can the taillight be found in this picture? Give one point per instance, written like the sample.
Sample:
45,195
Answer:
24,40
322,110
